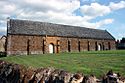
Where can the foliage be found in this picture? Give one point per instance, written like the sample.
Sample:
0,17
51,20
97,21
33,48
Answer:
123,40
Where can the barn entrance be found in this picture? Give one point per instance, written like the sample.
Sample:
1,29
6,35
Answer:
51,48
99,47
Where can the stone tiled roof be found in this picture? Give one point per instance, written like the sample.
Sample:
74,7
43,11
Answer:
26,27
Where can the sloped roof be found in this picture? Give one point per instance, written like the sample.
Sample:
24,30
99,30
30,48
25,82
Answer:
26,27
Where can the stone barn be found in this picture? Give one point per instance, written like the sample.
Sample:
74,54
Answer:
31,37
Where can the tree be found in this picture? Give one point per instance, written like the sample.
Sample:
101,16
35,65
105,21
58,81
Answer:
123,40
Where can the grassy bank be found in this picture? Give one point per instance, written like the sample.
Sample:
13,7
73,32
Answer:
93,62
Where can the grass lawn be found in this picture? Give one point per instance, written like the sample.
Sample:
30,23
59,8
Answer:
92,62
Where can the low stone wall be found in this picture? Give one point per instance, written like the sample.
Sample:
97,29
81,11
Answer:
14,73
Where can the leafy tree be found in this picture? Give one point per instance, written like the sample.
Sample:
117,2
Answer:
123,40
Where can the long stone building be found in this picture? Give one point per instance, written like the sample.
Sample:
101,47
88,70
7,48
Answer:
31,37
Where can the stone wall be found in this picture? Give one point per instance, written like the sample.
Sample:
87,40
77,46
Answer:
15,73
19,44
24,44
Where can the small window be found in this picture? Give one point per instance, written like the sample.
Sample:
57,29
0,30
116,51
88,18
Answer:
96,46
69,46
58,44
88,46
109,46
79,46
28,47
103,46
43,47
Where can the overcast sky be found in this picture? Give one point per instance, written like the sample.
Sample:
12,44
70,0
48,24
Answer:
99,14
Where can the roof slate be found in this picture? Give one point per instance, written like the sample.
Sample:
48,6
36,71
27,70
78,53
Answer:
26,27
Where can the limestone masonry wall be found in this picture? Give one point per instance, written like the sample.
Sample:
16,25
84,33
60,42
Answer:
24,44
15,73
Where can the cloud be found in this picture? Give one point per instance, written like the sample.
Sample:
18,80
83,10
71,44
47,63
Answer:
120,31
95,9
7,7
54,17
61,14
56,11
104,22
120,36
97,24
116,6
62,6
2,31
88,0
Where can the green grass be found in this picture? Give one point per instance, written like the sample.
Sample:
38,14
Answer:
92,62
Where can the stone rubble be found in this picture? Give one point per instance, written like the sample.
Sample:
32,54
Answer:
14,73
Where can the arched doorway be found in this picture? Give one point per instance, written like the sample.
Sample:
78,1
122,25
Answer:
99,47
51,48
3,43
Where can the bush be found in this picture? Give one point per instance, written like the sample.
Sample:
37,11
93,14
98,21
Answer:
2,54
